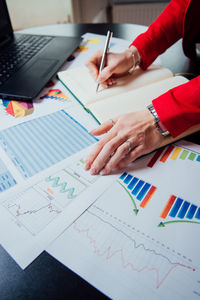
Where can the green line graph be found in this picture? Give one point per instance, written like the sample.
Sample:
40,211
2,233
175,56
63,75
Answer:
56,182
136,210
163,224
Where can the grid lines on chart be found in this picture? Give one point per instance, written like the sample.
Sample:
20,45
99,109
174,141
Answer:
6,178
40,143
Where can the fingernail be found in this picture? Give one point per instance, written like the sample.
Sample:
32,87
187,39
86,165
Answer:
110,83
114,81
93,171
104,172
91,132
87,166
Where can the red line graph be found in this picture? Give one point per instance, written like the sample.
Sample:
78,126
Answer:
108,253
19,211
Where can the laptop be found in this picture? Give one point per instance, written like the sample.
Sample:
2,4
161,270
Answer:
28,62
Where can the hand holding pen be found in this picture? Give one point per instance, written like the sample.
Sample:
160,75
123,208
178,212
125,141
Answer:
106,66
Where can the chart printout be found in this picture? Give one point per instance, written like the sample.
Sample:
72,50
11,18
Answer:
36,213
13,113
143,231
6,178
38,144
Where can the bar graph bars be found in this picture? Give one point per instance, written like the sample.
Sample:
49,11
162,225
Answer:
168,206
180,209
155,158
40,143
141,190
173,153
167,153
6,179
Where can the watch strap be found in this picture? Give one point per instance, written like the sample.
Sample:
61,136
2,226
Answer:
158,123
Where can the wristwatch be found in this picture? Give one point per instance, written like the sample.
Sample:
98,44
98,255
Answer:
158,123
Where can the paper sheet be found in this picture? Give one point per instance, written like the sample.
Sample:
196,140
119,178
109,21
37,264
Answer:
142,232
40,181
32,216
59,99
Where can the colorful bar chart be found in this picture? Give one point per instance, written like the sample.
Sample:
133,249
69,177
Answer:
173,153
55,94
133,183
155,158
176,153
148,196
167,153
198,214
180,209
176,207
40,143
191,211
192,156
143,191
168,206
183,210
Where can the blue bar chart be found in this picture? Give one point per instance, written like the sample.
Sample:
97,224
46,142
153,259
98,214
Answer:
40,143
180,210
141,190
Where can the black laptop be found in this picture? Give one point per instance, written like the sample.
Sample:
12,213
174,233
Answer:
28,62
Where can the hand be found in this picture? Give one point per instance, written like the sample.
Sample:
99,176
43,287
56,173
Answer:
117,64
131,135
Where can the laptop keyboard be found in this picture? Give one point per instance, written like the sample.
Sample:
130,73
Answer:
19,52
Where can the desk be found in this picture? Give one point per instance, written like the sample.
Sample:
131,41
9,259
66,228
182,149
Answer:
45,278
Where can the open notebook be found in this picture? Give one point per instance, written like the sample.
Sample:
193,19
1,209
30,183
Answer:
131,93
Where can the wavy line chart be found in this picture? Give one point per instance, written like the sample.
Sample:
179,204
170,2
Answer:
38,205
62,187
130,254
32,210
136,261
119,234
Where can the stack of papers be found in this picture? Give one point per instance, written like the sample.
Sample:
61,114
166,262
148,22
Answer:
140,227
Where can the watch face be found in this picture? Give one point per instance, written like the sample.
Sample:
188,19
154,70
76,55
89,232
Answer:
163,132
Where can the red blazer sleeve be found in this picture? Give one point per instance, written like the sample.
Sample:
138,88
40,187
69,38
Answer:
179,108
162,33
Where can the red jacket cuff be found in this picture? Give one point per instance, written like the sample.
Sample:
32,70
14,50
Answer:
179,108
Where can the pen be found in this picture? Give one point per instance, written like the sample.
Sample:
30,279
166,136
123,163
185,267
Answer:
108,38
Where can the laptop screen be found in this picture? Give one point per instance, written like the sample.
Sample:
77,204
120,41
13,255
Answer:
5,24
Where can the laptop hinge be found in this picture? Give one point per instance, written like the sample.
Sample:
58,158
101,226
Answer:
5,40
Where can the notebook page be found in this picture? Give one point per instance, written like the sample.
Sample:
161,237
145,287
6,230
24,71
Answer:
133,100
80,82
